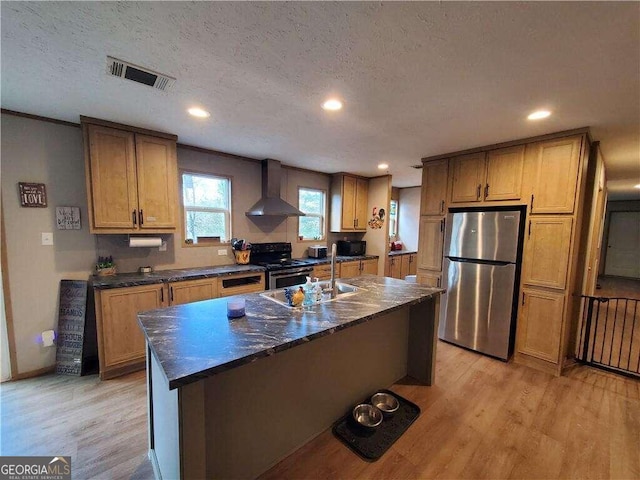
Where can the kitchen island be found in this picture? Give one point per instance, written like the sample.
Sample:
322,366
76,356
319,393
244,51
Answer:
228,398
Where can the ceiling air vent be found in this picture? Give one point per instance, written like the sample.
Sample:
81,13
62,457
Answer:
417,167
122,69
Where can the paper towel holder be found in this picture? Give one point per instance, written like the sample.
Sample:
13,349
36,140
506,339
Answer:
144,241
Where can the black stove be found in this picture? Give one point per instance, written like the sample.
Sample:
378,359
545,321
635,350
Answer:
282,270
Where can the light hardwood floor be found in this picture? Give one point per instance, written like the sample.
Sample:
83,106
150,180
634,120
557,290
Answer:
482,419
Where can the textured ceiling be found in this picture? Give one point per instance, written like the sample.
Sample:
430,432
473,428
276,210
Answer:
417,79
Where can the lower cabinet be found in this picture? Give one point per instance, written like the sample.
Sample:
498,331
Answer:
401,265
356,268
394,265
192,290
369,266
323,272
239,283
429,279
540,327
121,343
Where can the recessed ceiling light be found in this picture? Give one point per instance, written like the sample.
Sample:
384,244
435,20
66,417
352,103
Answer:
383,166
539,114
198,112
636,186
332,104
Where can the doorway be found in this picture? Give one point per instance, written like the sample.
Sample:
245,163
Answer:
623,255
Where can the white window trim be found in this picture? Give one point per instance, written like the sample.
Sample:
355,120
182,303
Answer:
184,209
322,216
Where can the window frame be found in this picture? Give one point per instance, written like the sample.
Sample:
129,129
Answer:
397,202
322,216
183,208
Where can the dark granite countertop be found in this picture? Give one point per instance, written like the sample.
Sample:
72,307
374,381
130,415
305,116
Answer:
401,252
197,340
175,275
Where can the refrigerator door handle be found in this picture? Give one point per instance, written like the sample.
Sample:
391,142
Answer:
481,262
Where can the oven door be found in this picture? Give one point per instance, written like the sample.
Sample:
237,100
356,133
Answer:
287,278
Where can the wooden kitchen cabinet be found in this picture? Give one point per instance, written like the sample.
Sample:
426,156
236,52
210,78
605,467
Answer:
431,243
349,203
132,179
540,325
408,266
369,266
323,272
491,176
546,253
350,269
434,187
394,266
505,167
467,177
556,175
121,344
238,283
429,279
356,268
192,290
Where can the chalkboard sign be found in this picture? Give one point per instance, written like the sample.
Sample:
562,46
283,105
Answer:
71,327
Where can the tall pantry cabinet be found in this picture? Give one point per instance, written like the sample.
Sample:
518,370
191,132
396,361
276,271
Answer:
547,175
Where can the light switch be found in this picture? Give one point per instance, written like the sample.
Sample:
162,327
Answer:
47,238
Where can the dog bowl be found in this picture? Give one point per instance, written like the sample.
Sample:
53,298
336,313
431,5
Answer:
367,415
385,402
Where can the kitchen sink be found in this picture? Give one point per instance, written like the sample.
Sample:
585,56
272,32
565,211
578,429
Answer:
342,290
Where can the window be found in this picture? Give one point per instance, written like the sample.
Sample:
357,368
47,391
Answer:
207,208
311,202
393,218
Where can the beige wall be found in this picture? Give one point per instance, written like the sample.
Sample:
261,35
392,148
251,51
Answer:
44,152
409,217
377,239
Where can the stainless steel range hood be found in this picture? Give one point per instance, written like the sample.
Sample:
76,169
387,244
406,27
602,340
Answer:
271,204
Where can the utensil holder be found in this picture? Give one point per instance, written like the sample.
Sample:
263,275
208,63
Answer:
242,256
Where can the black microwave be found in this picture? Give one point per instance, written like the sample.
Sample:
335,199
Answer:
351,248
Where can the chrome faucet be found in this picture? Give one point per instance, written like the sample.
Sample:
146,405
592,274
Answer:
332,283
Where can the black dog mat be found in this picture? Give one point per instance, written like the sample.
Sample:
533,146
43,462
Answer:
371,443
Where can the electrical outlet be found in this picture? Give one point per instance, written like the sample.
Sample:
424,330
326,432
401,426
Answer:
47,238
222,252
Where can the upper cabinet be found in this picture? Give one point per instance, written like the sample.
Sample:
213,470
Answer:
556,175
488,176
504,174
434,187
349,203
132,180
468,177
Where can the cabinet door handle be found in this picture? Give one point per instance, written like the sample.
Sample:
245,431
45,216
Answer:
529,228
442,225
162,295
486,191
522,298
438,283
478,192
531,210
134,217
442,206
141,217
171,294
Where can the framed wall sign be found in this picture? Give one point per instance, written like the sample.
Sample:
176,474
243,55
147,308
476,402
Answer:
32,194
68,218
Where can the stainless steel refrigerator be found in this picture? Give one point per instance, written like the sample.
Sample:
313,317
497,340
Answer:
481,265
